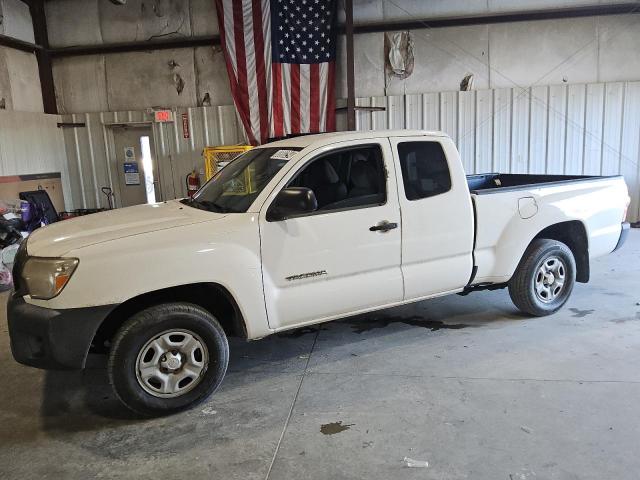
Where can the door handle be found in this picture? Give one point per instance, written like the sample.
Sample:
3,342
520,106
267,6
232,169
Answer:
383,226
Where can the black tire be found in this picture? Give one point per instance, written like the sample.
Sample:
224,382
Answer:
522,286
147,324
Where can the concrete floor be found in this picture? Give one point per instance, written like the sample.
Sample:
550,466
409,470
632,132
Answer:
488,394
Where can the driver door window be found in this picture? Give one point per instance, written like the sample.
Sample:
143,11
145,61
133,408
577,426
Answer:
350,178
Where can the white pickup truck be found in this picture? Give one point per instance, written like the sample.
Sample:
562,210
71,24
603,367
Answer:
293,233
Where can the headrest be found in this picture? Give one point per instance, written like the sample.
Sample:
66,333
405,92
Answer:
360,157
362,174
330,172
322,172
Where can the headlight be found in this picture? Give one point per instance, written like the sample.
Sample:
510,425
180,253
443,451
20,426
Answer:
46,277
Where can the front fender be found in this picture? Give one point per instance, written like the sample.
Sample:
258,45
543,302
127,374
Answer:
226,252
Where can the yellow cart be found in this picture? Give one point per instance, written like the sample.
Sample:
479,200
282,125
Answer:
217,157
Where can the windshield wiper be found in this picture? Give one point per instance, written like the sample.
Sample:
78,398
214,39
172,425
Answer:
202,205
212,206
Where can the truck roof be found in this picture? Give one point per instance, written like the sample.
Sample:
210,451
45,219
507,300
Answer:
304,141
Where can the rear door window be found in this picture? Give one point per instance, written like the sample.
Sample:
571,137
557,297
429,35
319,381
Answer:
425,171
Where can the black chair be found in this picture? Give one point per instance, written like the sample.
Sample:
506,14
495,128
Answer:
41,205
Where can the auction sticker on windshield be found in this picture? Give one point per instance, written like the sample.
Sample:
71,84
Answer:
284,154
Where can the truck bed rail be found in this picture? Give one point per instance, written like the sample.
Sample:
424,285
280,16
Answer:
484,183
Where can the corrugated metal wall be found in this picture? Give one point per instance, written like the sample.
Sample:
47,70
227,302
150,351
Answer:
565,129
33,143
92,160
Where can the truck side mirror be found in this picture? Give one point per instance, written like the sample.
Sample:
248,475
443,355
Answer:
292,201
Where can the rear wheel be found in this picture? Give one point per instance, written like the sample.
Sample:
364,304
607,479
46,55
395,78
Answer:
167,358
544,278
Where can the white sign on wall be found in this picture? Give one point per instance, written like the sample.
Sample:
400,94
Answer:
129,154
131,172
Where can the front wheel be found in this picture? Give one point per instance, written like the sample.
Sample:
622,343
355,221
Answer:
167,358
544,278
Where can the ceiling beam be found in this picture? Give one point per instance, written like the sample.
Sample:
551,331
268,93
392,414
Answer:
43,56
526,16
182,42
18,44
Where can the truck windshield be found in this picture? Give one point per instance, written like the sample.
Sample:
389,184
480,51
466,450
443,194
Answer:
236,186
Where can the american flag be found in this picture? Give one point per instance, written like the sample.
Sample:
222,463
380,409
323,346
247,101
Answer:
280,57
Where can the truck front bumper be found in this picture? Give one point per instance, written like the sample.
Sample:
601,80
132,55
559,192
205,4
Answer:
624,233
52,339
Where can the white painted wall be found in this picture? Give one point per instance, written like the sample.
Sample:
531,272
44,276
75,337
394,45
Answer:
20,81
104,22
550,52
19,77
32,143
133,81
15,20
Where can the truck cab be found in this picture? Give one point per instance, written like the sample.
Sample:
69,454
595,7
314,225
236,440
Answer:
350,247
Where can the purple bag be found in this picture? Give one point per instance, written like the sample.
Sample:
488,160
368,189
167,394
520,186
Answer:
25,208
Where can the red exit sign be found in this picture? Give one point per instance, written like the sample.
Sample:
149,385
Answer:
162,116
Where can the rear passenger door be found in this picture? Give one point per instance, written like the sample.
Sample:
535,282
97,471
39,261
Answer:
344,257
437,216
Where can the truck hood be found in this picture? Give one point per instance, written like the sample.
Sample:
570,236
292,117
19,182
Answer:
59,238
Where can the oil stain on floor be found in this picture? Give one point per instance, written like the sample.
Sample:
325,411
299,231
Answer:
580,313
626,319
298,332
335,427
364,325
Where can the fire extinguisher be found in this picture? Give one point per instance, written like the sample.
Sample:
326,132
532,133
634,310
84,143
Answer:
193,183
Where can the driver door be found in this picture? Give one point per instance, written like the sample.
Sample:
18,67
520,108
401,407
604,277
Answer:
324,264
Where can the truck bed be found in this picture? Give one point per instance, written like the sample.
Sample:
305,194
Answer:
510,207
499,182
